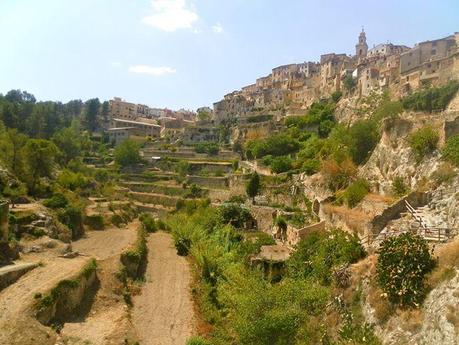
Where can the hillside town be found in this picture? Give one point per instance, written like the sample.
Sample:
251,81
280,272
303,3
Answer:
318,205
291,89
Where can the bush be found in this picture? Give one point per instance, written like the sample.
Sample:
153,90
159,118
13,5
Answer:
127,153
451,150
403,263
58,200
355,192
276,145
339,173
183,245
209,148
148,222
336,96
72,216
234,214
320,251
423,141
71,180
95,222
399,187
311,166
281,164
432,98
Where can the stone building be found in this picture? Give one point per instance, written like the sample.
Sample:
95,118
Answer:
386,49
429,62
203,131
361,48
117,135
145,129
119,108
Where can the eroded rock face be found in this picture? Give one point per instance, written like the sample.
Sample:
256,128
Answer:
393,157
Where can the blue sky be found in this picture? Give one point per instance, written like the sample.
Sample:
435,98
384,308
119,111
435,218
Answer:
189,53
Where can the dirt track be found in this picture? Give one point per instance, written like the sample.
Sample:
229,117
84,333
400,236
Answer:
163,313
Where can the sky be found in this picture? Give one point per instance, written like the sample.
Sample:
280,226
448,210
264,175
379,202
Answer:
190,53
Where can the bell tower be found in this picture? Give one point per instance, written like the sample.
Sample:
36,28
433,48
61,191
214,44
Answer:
361,48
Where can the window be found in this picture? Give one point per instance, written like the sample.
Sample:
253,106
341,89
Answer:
433,51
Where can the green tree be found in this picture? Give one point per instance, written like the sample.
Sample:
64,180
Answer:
68,141
349,83
91,111
127,153
403,263
281,164
40,156
253,186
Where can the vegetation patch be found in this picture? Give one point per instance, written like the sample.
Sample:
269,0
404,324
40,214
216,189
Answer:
49,305
432,98
403,263
423,141
134,259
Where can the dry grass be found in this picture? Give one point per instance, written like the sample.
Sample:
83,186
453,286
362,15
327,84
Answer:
452,316
380,198
378,301
412,319
448,263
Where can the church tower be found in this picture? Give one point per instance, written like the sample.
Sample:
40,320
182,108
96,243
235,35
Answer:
361,48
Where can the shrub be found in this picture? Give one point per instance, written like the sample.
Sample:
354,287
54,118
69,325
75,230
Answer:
197,341
267,160
320,251
253,186
355,192
336,96
276,145
127,153
339,173
403,263
71,180
194,192
209,148
148,222
95,222
451,150
183,245
281,164
432,98
311,166
58,200
423,141
237,199
72,216
234,214
399,187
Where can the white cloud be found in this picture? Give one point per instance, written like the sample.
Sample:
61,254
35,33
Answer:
150,70
217,28
171,15
115,64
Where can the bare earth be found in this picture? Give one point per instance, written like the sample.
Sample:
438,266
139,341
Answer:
163,313
17,325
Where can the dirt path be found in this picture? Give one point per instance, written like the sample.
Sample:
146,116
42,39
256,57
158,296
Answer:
17,325
163,313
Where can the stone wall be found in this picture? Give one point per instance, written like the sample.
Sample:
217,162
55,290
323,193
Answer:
379,222
210,182
4,213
